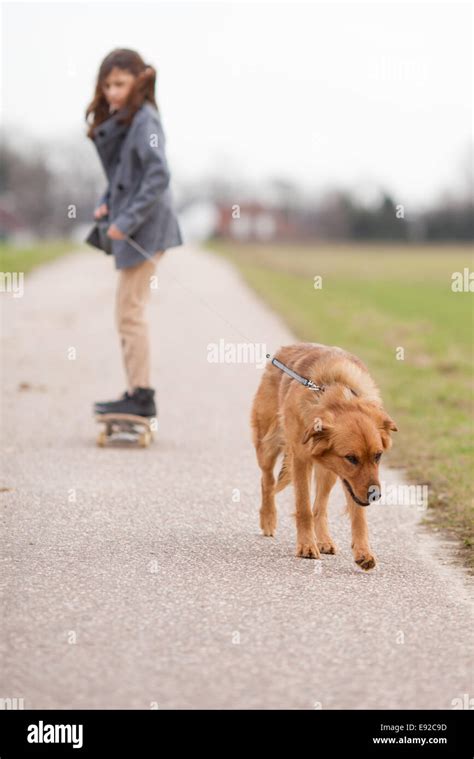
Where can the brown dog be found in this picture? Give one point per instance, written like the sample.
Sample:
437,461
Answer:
339,430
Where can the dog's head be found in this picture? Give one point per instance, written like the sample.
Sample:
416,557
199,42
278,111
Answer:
349,438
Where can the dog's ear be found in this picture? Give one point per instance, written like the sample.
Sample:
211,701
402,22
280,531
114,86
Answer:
320,429
387,425
383,420
384,423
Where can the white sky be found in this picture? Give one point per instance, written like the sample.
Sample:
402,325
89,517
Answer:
325,94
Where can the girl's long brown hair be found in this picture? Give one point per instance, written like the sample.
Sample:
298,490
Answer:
143,89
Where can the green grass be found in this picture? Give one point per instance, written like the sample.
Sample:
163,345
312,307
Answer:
375,299
25,258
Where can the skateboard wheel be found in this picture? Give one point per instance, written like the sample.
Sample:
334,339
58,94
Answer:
144,439
101,439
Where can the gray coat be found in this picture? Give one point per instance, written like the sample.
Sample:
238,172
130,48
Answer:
138,194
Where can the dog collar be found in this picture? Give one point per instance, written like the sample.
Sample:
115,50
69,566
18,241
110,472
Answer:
303,380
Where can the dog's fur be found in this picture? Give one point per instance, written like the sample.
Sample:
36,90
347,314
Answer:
316,431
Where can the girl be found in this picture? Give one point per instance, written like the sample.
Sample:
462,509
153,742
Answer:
135,217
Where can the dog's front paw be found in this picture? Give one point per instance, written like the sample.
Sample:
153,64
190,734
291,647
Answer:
307,549
364,558
327,546
268,522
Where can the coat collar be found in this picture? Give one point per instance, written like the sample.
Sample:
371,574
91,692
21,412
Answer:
111,128
110,137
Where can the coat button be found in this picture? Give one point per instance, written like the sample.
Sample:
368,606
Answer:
120,186
101,132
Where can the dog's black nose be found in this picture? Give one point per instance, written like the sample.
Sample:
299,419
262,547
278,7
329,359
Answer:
373,493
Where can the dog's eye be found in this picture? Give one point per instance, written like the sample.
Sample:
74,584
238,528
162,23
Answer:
353,459
377,457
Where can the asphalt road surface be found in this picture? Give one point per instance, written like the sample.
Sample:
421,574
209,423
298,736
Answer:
136,578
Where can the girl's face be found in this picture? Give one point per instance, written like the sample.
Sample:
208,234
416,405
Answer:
117,87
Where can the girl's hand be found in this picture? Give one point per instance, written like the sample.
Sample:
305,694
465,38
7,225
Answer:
101,211
114,233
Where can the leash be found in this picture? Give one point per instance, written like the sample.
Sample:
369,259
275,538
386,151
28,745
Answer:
138,247
291,373
145,254
303,380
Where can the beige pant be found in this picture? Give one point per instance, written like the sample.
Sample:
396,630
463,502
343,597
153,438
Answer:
132,297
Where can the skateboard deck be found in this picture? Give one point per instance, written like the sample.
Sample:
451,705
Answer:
125,428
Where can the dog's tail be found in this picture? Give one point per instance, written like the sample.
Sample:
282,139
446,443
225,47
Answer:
285,474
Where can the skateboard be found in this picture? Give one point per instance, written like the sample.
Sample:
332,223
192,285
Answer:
126,428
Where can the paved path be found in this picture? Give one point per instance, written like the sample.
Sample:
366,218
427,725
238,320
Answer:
145,558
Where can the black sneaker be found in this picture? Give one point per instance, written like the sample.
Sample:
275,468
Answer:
140,403
102,407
